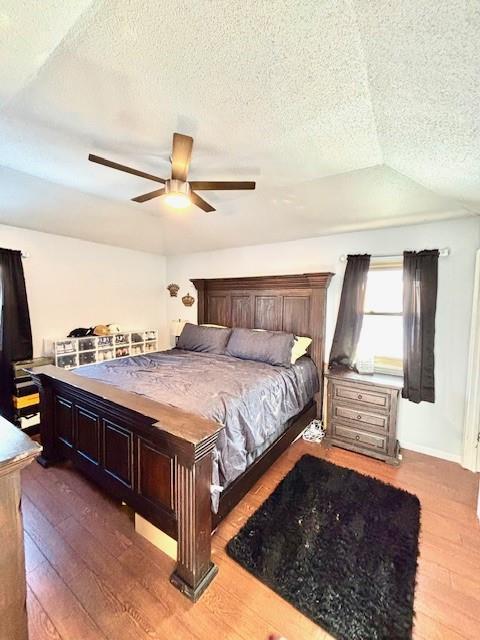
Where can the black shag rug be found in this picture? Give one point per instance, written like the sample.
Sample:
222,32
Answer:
340,547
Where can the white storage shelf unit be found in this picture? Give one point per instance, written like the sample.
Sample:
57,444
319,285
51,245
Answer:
80,352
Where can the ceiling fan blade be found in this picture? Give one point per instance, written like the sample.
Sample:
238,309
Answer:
122,167
181,154
221,186
149,196
200,202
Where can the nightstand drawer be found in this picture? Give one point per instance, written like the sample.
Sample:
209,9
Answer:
378,421
361,438
377,398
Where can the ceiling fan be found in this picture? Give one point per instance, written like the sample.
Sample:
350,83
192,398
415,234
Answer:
178,191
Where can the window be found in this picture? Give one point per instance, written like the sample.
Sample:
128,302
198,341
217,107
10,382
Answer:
382,329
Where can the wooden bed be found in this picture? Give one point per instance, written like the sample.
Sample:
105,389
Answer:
158,458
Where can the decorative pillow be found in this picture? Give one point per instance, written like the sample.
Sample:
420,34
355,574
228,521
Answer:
271,347
203,339
300,347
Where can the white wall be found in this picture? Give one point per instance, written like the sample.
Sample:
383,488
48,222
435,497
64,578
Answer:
73,283
432,428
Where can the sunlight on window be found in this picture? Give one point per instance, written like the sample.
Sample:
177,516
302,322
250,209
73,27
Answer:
382,337
384,291
382,329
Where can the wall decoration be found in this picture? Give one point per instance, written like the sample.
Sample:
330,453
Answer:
173,289
188,300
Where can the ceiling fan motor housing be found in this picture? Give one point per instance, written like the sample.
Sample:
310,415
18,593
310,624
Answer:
177,186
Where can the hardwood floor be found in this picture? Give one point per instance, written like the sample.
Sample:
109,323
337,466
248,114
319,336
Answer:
91,577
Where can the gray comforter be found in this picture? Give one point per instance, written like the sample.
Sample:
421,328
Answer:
251,399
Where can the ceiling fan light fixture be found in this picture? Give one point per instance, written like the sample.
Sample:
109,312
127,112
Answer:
177,194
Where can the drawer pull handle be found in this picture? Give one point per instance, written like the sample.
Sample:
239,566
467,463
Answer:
359,396
357,437
359,417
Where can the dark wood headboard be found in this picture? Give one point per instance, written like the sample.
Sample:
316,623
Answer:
295,303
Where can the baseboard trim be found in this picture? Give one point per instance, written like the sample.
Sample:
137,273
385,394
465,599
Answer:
435,453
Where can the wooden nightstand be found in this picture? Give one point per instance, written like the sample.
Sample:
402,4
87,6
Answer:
362,413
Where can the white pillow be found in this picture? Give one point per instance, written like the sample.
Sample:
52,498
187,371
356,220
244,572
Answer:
216,326
300,347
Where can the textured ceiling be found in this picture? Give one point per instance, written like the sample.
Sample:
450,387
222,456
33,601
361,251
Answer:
348,114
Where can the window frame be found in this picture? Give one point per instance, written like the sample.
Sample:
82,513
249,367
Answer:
383,364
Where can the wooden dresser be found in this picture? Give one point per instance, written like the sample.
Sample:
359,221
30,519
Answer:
362,413
16,451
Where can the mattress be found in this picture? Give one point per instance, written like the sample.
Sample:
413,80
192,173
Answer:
252,400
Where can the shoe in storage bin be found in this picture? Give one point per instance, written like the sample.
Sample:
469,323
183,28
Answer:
87,344
67,361
105,354
88,357
105,341
66,346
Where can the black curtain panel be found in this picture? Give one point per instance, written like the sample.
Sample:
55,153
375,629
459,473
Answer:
420,277
15,330
350,312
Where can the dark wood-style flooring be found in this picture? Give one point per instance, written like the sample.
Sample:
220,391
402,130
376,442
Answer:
91,577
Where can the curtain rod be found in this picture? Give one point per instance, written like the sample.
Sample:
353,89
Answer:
442,252
24,254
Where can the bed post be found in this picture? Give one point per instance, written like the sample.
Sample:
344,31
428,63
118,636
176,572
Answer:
318,308
50,454
193,476
199,285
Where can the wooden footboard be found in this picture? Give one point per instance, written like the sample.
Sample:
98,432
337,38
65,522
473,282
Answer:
154,457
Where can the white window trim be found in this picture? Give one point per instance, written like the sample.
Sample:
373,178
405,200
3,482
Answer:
391,371
384,265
